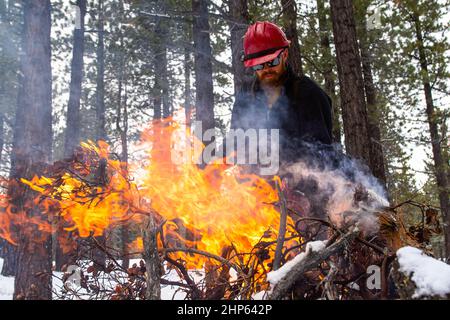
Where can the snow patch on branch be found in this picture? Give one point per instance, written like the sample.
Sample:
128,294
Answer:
431,276
274,277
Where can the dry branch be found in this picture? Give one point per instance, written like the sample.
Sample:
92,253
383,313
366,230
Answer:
282,229
309,262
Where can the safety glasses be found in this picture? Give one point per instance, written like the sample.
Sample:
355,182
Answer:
270,64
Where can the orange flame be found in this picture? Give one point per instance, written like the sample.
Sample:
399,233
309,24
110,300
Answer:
208,209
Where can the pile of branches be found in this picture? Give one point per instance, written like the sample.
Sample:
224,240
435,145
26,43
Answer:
339,270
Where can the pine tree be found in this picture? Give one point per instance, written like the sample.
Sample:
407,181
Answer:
32,149
353,104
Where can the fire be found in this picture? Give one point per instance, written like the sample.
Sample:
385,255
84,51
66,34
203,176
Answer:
137,245
5,220
222,205
207,209
85,205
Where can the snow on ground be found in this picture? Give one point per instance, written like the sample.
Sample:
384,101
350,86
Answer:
6,285
431,276
168,292
274,277
261,295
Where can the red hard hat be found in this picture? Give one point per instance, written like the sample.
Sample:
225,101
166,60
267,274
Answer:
263,42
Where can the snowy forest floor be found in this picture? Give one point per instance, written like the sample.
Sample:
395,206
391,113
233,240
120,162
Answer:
430,277
168,292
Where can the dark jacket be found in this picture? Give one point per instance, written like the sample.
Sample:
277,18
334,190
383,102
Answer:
302,113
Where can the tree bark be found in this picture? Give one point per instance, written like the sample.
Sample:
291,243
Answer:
32,149
2,136
439,165
2,140
122,128
100,91
187,87
204,94
160,62
328,64
238,26
152,261
289,21
97,254
72,134
377,156
9,252
353,104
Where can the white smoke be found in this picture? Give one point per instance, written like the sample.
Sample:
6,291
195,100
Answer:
340,182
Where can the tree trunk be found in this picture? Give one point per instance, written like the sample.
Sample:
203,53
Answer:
238,27
289,21
2,10
122,128
439,165
354,112
204,94
72,133
97,254
2,241
328,64
160,62
100,94
32,149
9,252
187,87
377,156
152,261
2,135
124,230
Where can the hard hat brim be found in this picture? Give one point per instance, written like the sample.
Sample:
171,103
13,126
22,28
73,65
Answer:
260,60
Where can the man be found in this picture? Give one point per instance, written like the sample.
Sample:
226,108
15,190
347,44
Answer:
294,104
278,98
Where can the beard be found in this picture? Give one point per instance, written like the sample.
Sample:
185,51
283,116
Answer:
271,78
